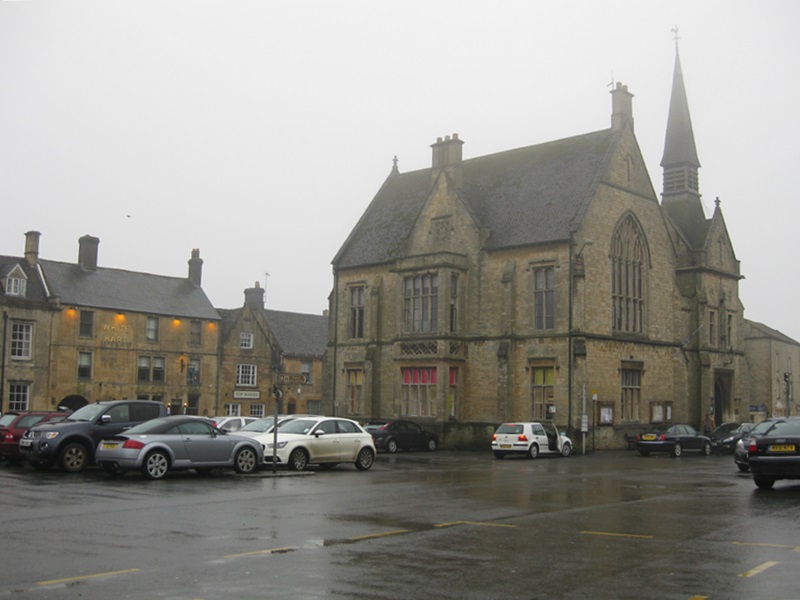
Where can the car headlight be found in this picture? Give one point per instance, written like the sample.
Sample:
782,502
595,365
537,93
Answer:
279,445
51,435
727,440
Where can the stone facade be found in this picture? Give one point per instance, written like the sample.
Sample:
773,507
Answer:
546,282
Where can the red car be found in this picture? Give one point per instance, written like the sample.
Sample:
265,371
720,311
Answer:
14,424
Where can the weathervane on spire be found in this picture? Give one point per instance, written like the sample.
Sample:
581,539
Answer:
675,36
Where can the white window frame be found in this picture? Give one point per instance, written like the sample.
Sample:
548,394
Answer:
16,286
21,340
19,395
246,340
246,375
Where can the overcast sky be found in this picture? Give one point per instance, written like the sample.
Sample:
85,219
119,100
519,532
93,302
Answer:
259,131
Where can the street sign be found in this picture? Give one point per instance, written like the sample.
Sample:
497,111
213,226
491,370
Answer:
290,378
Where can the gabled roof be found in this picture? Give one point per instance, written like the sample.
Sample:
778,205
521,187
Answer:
116,289
527,196
34,292
299,334
759,330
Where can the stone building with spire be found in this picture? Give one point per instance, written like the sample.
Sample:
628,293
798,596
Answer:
544,282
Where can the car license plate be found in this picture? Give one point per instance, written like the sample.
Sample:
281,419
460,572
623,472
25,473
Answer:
782,448
25,442
649,436
505,445
109,445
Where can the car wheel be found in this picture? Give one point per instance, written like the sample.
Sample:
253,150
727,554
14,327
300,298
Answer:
73,458
155,465
432,445
763,483
246,460
566,450
298,459
365,459
677,450
707,449
391,446
499,455
533,451
644,452
743,468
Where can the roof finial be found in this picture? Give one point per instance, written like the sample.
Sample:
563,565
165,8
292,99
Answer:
717,202
394,165
675,35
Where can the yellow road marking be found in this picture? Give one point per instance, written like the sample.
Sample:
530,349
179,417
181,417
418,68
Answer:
759,569
477,523
785,546
267,551
369,536
699,598
82,577
611,534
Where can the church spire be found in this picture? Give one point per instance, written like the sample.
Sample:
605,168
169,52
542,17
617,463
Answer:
681,187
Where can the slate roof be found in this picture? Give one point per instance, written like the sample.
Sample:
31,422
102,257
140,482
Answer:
116,289
299,334
34,292
525,196
768,332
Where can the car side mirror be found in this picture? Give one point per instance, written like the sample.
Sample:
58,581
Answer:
318,433
104,419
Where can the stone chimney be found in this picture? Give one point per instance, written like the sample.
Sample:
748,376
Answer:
32,247
254,297
447,157
87,252
196,268
621,107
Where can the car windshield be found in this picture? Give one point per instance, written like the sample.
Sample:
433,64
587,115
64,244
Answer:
87,413
723,429
299,426
784,428
7,419
259,426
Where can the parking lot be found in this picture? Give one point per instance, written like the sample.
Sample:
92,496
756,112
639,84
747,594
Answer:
418,525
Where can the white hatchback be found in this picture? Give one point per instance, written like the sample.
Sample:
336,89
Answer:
324,441
530,439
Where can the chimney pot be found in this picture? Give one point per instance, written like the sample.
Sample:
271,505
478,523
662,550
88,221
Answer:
32,247
196,268
87,252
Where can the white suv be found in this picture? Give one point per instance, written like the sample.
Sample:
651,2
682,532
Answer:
530,439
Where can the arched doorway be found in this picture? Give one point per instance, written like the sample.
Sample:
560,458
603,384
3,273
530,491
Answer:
73,402
722,400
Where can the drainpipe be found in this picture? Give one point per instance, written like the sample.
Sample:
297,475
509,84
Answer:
570,341
3,362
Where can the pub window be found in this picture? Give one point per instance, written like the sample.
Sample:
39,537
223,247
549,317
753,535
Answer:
193,371
305,370
87,323
246,375
195,332
16,286
18,396
246,340
21,338
151,368
233,410
84,365
257,411
151,329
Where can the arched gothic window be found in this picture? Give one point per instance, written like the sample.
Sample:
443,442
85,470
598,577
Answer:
628,272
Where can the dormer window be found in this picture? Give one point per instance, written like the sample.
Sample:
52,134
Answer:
15,286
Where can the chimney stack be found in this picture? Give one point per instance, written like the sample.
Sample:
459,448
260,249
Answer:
254,297
447,157
621,107
87,252
32,247
196,268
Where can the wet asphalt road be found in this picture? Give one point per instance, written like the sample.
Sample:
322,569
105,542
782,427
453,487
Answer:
418,525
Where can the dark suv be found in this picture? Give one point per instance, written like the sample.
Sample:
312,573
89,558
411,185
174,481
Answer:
72,442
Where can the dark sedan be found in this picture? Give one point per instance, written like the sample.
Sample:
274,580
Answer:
740,452
776,454
404,435
724,437
672,439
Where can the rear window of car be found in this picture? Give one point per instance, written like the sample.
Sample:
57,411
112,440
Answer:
7,419
29,421
510,428
785,428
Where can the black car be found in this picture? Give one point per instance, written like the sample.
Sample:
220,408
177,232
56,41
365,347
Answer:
672,439
740,452
404,435
776,454
724,437
71,443
720,433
